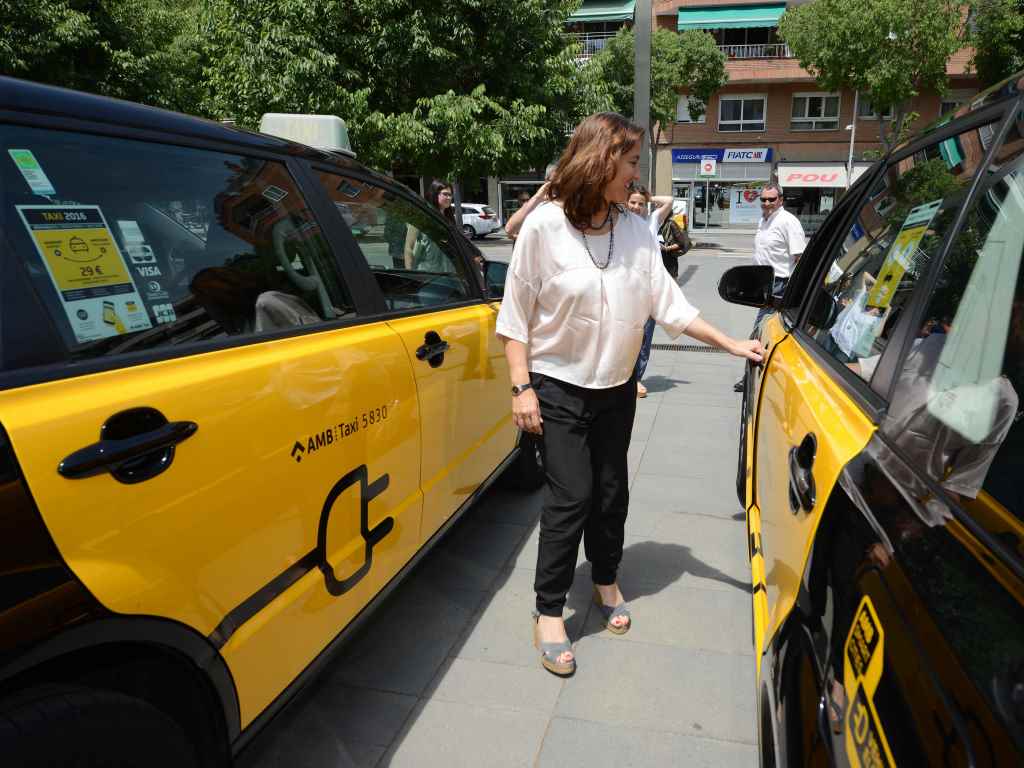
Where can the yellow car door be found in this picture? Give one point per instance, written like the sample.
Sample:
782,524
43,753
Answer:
232,449
808,428
823,389
431,298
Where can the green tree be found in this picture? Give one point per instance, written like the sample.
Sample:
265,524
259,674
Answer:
446,89
997,34
131,49
689,60
888,50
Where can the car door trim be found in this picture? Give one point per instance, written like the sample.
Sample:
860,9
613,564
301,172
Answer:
23,377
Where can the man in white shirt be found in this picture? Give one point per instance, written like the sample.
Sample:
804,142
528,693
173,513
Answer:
778,243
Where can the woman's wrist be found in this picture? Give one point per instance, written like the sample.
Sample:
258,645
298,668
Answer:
732,346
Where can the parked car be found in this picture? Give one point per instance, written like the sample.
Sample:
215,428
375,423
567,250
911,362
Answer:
880,462
479,220
232,421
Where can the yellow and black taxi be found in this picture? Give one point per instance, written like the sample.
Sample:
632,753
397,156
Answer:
244,385
882,462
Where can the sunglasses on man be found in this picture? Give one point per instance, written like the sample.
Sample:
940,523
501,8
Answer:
769,199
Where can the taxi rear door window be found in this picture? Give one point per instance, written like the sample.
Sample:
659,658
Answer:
132,246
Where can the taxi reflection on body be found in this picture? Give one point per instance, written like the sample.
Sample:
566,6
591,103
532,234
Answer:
233,417
880,462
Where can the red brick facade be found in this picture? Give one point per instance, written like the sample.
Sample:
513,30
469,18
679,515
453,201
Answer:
779,79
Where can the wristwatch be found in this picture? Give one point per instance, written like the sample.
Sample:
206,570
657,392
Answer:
518,389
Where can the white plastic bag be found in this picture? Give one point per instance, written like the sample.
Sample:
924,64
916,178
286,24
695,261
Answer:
855,328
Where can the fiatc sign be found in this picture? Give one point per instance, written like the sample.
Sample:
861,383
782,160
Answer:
754,155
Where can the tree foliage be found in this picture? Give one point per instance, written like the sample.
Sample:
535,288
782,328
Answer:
690,60
449,89
997,35
132,49
463,88
888,50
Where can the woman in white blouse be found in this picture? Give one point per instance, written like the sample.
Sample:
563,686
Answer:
585,276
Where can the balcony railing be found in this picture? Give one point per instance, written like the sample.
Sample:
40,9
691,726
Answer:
757,51
592,42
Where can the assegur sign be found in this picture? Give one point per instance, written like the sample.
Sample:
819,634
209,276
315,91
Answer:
722,154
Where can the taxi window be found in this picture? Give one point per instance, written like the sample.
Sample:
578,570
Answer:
409,252
897,231
957,401
132,246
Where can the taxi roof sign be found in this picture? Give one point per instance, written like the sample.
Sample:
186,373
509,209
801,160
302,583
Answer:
326,132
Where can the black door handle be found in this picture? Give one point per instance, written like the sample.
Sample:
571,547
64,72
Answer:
433,348
802,492
134,445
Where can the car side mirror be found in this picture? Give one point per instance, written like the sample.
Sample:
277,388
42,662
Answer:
495,273
748,285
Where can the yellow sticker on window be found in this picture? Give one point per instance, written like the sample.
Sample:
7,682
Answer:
901,254
86,267
863,660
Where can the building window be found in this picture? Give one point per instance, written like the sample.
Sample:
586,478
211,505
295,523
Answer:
683,112
741,113
866,111
815,112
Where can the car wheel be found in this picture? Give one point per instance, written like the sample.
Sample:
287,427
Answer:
78,727
527,470
468,231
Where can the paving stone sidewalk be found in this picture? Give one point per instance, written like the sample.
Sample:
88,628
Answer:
446,674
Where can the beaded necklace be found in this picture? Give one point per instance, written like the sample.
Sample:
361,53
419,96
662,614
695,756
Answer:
611,241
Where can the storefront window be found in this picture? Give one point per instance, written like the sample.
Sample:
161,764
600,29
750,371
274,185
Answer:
811,205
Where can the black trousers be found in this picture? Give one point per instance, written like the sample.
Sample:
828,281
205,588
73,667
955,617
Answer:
586,437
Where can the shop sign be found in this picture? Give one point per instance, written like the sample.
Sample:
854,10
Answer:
812,175
708,166
748,155
722,155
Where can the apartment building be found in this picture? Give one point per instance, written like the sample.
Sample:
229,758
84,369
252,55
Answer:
770,122
593,25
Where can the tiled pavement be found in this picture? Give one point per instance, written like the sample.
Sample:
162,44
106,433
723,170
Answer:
446,674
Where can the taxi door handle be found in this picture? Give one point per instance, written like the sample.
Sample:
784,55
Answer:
802,492
432,350
134,445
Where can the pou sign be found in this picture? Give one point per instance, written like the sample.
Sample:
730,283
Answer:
825,175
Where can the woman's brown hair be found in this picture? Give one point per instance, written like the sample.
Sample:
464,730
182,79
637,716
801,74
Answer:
588,165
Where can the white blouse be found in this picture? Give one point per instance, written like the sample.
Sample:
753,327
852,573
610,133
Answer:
581,324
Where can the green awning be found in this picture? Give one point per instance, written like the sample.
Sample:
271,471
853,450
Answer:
735,17
604,10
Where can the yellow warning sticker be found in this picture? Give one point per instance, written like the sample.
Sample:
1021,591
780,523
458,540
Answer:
98,293
863,659
901,254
